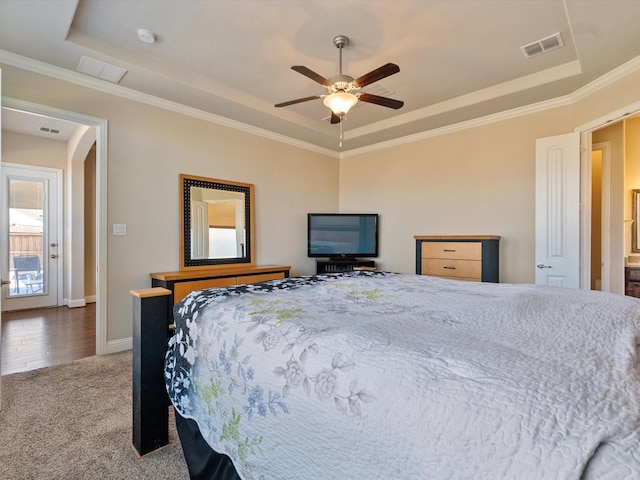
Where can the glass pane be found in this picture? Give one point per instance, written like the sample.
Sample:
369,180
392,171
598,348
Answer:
26,237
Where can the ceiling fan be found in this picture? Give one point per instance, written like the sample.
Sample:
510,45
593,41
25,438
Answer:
342,90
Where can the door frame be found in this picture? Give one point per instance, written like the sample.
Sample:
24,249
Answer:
57,173
605,233
585,131
101,203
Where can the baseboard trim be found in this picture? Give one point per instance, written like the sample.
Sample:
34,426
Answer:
120,345
81,302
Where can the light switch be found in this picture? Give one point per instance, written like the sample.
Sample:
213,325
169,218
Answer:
119,229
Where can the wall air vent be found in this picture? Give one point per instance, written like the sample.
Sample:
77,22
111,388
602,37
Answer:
542,46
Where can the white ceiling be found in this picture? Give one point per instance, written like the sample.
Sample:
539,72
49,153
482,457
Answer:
459,59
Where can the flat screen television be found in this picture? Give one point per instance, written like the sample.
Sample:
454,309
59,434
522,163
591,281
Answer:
342,235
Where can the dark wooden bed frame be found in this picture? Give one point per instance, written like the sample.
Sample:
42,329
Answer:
152,325
151,329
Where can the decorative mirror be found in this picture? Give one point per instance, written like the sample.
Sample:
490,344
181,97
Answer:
217,223
635,224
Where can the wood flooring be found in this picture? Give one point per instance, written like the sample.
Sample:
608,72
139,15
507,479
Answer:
48,336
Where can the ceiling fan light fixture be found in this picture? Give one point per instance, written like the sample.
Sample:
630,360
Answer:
340,102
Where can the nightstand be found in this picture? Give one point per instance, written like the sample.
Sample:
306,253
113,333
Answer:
632,280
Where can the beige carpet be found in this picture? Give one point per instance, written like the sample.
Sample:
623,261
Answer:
73,421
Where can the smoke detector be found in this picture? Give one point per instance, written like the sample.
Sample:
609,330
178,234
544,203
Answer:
146,36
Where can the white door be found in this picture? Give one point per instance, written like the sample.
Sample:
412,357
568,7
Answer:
558,211
29,215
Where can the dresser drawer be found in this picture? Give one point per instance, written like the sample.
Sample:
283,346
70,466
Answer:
633,289
454,250
634,274
459,257
452,268
182,289
263,277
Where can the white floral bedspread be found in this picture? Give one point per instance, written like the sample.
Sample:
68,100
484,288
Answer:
390,376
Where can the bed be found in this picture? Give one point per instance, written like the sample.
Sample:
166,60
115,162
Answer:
375,375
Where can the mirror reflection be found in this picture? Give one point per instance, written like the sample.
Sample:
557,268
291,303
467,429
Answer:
217,222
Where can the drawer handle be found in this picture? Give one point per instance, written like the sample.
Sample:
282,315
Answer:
449,268
449,250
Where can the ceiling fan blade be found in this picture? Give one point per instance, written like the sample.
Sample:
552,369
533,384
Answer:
312,75
299,100
335,119
378,100
377,74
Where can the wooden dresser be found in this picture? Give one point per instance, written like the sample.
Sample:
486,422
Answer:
183,282
461,257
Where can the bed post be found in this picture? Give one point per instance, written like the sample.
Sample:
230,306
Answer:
150,401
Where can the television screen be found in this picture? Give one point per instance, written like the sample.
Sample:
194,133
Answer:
342,235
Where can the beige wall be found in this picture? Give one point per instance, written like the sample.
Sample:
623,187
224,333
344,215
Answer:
476,181
613,135
34,151
632,174
148,148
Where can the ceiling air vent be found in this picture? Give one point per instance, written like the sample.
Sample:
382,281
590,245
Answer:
54,131
542,46
99,69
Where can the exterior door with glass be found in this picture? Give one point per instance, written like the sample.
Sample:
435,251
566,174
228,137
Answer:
30,217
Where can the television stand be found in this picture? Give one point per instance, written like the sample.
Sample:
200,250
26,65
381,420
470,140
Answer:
341,265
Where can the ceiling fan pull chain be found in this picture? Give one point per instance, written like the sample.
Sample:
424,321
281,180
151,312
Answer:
341,135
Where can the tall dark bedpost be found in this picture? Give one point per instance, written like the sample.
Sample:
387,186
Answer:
150,401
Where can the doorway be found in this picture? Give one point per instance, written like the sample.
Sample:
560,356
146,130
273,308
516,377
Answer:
609,136
93,133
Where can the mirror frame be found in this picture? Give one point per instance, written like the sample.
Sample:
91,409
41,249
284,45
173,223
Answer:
635,222
186,262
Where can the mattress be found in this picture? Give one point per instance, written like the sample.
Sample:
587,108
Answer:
375,375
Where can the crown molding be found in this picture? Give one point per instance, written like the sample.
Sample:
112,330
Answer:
600,83
46,69
607,79
82,80
457,127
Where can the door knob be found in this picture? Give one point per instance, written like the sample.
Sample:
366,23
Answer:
542,265
53,256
